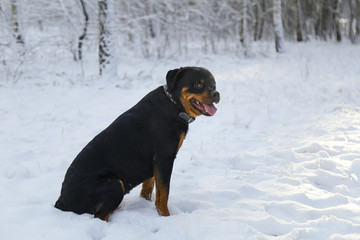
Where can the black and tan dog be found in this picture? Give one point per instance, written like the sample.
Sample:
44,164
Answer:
139,146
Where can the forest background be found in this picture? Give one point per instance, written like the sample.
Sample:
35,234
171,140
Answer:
103,32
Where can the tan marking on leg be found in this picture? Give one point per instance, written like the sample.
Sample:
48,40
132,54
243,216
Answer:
147,188
122,186
161,201
108,216
161,197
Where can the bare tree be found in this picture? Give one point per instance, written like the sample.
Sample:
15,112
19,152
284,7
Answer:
244,30
149,11
336,17
357,26
86,23
328,17
299,22
107,66
278,28
354,22
259,21
15,23
256,20
104,35
262,19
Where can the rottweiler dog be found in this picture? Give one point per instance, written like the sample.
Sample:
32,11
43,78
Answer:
139,147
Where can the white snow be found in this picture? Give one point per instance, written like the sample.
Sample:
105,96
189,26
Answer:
279,160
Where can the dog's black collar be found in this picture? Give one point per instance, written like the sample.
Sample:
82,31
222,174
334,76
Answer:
183,115
186,117
169,95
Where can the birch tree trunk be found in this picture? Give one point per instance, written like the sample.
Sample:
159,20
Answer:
15,23
244,33
86,23
107,63
278,28
353,8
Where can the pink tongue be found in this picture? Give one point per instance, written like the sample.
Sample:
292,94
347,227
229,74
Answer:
210,109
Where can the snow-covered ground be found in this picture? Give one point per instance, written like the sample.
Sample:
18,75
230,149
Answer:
279,160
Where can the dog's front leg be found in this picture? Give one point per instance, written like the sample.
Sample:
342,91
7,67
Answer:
162,174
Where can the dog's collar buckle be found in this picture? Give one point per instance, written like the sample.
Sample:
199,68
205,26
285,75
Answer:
186,117
183,115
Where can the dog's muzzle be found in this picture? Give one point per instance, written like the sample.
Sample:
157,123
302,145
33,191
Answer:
215,96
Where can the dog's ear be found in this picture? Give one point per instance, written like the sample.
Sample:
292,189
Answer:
172,76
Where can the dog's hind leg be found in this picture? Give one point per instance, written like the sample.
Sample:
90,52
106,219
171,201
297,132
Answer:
147,188
111,194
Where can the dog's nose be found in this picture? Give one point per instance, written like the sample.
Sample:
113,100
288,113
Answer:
215,95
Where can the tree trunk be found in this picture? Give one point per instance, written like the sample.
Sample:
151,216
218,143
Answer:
257,19
244,38
325,21
317,16
149,21
103,44
357,27
336,17
278,28
259,14
299,22
322,22
86,23
262,22
107,64
352,10
15,23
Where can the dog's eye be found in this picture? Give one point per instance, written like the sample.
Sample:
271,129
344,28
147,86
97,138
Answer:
198,85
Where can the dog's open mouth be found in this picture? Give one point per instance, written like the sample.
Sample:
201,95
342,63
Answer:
205,109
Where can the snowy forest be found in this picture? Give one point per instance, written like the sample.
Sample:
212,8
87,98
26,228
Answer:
164,28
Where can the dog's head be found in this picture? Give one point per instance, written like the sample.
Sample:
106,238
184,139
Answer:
195,89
